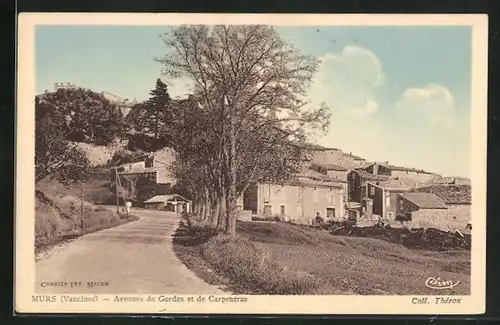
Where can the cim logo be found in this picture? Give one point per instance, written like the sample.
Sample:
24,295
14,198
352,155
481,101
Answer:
440,284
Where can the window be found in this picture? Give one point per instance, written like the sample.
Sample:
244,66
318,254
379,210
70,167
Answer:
267,210
389,215
387,201
282,210
372,190
330,212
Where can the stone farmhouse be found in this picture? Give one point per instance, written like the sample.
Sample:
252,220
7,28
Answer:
300,200
144,179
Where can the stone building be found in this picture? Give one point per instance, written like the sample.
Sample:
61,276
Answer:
357,180
144,179
384,196
391,171
300,200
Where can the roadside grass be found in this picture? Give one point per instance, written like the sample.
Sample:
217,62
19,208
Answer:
58,211
280,258
96,190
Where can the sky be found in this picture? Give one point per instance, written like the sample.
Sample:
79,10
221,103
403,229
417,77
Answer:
396,94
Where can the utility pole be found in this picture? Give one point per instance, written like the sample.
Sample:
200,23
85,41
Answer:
116,192
81,207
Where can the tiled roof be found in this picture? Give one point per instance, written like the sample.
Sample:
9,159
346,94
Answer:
313,182
425,200
140,170
449,181
451,194
369,176
165,198
404,169
309,172
398,184
353,157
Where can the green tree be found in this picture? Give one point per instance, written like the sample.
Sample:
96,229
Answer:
56,157
151,118
90,116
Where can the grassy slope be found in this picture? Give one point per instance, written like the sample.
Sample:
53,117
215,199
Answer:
57,210
318,263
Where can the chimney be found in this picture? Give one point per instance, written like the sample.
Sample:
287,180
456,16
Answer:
375,169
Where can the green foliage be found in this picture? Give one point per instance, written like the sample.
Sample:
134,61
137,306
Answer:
89,116
152,117
56,157
145,143
121,157
248,112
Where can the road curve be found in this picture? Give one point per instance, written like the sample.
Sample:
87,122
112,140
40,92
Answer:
135,258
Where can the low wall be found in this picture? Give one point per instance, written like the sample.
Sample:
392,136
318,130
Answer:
453,218
245,215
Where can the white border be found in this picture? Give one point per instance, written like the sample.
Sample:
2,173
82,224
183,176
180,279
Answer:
24,229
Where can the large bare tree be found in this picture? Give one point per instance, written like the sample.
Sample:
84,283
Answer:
252,84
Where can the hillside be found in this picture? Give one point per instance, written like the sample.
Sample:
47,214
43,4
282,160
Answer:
99,155
280,258
58,210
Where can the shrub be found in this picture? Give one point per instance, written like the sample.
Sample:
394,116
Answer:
249,269
126,156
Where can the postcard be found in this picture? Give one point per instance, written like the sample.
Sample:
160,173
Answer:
271,164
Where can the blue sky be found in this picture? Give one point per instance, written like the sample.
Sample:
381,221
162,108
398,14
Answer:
397,94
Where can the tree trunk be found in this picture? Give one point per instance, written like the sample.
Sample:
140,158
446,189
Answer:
231,195
214,217
198,207
201,210
206,209
231,213
221,222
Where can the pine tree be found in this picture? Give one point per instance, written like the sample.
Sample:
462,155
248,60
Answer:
157,110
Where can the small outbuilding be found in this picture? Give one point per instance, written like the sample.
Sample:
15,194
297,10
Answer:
171,202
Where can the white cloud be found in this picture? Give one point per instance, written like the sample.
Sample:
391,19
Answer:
433,102
181,87
348,81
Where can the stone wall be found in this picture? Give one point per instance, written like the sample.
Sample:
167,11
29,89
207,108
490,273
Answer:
455,217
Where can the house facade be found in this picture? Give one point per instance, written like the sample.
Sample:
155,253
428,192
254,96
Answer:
172,202
357,183
299,201
384,197
336,172
458,199
144,179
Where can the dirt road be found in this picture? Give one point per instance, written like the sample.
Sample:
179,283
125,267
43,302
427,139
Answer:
134,258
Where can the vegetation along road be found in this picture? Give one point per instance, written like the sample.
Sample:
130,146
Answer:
133,258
